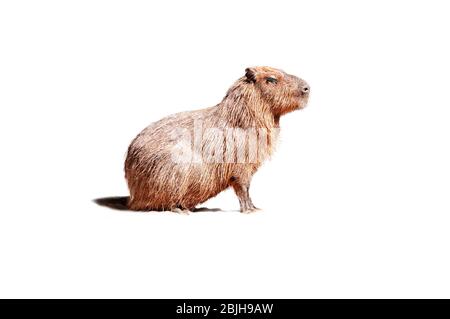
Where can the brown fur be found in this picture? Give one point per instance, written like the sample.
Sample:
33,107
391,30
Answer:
156,182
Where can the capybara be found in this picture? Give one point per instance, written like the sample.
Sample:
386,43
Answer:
184,159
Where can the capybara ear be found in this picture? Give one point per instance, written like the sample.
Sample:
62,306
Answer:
250,74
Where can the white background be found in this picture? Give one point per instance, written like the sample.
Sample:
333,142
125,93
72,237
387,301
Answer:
356,199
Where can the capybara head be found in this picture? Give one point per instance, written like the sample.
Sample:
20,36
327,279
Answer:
284,92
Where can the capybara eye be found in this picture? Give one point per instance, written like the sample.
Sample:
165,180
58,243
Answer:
271,80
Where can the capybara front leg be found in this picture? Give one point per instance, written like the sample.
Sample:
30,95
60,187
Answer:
242,192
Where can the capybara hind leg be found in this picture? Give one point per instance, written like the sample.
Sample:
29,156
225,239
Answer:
138,206
242,192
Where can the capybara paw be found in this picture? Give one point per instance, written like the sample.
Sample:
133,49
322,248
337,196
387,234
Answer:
249,210
181,211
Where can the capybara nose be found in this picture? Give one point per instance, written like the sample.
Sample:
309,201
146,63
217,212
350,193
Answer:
305,89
